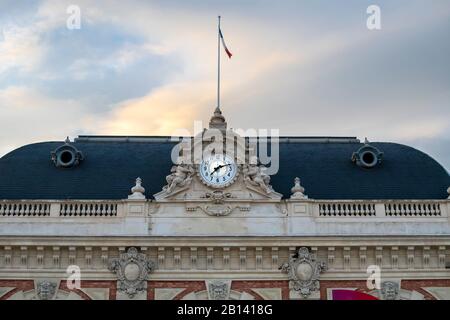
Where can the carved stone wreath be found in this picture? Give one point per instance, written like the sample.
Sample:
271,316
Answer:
132,269
304,272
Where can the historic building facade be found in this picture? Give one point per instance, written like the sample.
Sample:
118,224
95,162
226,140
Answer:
118,213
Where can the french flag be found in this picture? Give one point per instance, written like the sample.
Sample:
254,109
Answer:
229,54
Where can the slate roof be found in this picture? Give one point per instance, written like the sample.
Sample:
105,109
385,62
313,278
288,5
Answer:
326,171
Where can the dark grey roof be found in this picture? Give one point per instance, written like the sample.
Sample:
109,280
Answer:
324,166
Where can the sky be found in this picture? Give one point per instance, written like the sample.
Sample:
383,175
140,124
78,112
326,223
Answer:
307,68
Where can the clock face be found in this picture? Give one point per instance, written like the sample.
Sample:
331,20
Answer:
218,170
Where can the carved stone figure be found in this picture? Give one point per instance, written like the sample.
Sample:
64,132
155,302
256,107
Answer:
304,272
46,290
218,289
389,290
180,176
256,176
132,269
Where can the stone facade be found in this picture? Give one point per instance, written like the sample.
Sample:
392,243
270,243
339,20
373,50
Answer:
244,241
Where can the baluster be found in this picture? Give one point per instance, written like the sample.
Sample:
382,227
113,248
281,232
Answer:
433,209
421,210
346,209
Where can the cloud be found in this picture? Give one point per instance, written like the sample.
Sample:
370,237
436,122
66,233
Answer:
20,48
33,117
144,67
161,112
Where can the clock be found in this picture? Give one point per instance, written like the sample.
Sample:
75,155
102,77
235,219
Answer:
218,171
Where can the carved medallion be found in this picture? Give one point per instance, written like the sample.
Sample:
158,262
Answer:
389,290
132,269
304,272
218,289
46,290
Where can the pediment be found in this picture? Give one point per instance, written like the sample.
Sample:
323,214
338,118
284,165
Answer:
201,155
194,190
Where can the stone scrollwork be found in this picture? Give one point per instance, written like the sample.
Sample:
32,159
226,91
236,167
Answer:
217,210
180,176
218,207
218,196
46,290
304,272
132,269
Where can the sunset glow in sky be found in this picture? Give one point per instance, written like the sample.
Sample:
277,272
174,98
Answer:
303,67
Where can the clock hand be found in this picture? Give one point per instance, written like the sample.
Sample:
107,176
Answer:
220,167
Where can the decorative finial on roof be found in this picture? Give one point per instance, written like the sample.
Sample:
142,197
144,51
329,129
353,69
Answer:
366,141
218,120
137,191
297,190
67,141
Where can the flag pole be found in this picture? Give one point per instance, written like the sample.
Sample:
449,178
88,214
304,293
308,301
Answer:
218,64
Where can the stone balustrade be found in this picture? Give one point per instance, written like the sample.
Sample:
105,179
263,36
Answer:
24,208
413,209
382,209
347,209
319,208
52,208
88,209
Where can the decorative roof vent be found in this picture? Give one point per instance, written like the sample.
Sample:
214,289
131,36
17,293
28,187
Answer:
367,156
67,155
